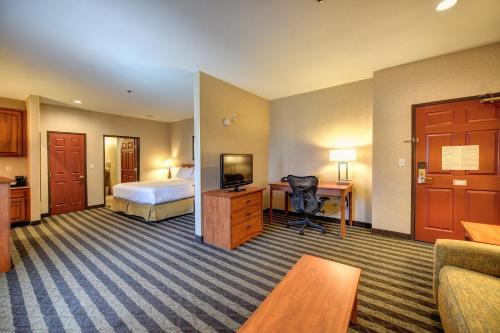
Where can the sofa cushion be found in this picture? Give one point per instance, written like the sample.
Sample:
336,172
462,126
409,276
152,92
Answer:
468,301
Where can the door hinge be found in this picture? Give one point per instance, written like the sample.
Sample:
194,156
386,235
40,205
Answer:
412,140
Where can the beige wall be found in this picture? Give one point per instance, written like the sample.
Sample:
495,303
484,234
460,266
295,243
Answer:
461,74
304,127
181,140
250,134
17,165
154,136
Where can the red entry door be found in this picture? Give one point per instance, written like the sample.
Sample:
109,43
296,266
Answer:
129,161
451,196
67,172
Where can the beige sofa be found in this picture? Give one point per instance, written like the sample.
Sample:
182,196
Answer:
467,285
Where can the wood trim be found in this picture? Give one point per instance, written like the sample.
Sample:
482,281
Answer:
414,152
138,153
393,234
85,164
96,206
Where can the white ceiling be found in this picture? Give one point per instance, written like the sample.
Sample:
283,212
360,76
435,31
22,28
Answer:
95,50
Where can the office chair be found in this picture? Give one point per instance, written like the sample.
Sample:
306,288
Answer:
304,201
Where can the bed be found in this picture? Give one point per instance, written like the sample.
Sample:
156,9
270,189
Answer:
156,200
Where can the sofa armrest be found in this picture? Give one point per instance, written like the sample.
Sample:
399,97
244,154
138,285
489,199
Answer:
478,257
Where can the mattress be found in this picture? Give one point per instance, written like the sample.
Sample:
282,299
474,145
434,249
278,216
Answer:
156,191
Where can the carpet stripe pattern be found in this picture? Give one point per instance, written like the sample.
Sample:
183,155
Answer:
96,271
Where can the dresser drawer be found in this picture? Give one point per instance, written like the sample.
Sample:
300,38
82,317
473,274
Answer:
17,193
241,232
246,213
245,201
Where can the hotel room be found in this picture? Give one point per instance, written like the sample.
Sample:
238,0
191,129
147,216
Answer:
251,166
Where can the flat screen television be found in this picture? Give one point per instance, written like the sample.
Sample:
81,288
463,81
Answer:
236,170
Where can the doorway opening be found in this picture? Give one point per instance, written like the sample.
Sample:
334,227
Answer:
121,163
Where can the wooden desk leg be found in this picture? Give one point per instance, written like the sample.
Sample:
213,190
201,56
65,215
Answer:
342,215
350,208
286,203
354,313
271,204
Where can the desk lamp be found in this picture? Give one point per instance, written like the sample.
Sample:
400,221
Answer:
343,157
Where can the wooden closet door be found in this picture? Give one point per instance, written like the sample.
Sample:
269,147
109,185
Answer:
128,161
67,172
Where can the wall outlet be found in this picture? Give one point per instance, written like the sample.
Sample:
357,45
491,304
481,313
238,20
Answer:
402,162
8,168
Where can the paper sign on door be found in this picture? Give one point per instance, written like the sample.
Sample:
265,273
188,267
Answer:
460,157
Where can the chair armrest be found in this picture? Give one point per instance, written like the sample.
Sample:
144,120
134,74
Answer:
478,257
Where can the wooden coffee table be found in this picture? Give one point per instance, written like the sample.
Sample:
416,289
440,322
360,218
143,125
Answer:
482,233
317,295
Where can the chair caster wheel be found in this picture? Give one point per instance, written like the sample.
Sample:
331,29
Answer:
301,233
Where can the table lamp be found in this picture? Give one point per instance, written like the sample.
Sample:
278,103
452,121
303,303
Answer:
343,157
168,163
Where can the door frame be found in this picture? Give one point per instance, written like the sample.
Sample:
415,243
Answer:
84,164
138,157
413,150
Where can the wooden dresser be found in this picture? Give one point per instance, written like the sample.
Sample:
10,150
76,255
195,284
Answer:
232,218
19,204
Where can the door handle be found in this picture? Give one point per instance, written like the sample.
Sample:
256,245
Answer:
81,177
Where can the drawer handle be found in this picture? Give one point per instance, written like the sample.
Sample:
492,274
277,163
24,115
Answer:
249,226
249,213
248,201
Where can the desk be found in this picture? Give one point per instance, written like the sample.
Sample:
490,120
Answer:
482,233
324,188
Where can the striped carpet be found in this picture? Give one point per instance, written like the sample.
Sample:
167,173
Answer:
97,271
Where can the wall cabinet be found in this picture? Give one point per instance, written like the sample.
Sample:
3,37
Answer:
12,132
19,205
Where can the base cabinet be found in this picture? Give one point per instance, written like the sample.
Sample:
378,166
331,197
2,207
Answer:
19,205
232,218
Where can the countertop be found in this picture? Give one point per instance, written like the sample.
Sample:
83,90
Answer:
5,180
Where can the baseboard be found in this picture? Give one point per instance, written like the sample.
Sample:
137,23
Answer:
19,224
45,215
389,233
322,218
36,222
198,239
96,206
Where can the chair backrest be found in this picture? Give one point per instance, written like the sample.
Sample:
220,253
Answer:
304,192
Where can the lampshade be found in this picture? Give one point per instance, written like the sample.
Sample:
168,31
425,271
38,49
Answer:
342,155
168,163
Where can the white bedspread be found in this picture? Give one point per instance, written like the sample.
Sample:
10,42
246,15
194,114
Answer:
155,191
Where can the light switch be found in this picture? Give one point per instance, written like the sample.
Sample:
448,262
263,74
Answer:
402,162
8,168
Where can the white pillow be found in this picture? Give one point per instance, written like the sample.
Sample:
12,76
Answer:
185,173
174,171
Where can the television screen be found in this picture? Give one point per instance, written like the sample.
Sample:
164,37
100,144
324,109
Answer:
236,170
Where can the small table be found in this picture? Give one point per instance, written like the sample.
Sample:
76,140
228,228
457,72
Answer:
324,188
482,233
317,295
